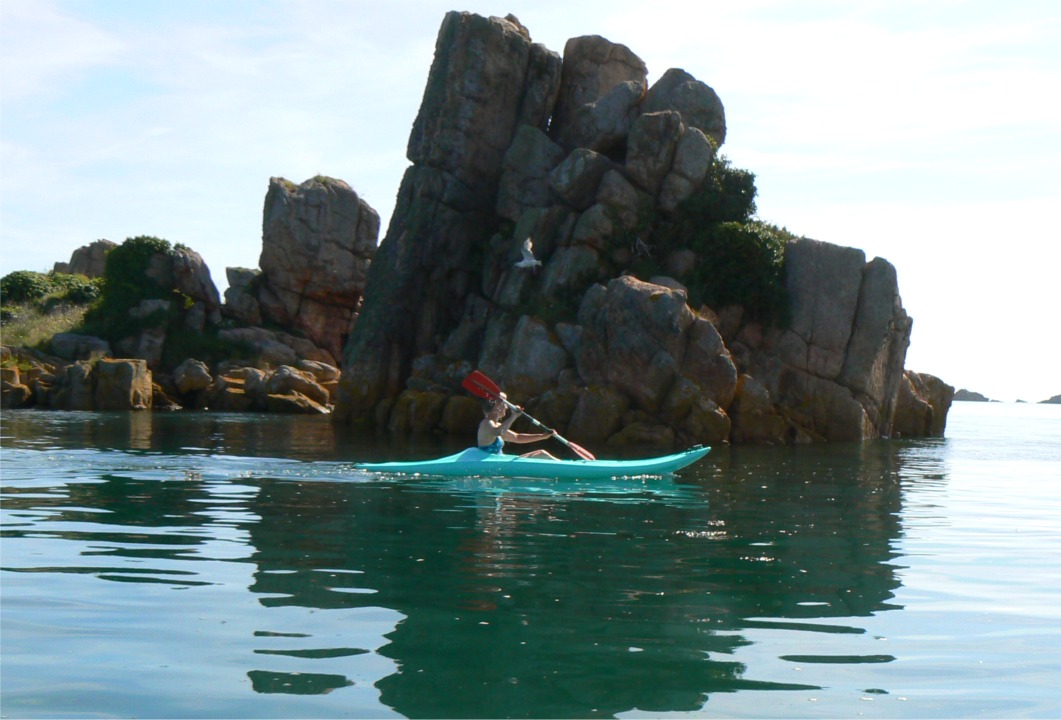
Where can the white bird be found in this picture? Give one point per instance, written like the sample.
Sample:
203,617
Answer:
528,261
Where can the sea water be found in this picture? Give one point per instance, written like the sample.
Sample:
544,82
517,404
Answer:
224,565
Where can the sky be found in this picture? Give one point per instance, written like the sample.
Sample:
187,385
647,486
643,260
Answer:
926,133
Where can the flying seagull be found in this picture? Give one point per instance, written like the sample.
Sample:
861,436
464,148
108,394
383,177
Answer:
528,261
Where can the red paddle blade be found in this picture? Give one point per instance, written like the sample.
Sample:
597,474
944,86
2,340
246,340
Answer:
480,385
581,451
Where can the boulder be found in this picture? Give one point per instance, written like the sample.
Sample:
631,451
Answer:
13,394
699,105
318,240
184,271
823,282
191,376
579,176
594,227
74,389
534,361
274,348
237,389
323,372
636,340
706,424
89,260
692,159
461,416
623,201
241,297
417,412
526,171
921,406
593,67
162,400
286,380
653,145
228,393
754,418
570,269
148,345
650,436
598,414
709,364
123,384
71,346
191,277
603,124
876,352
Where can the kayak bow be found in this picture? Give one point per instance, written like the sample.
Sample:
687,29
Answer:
473,462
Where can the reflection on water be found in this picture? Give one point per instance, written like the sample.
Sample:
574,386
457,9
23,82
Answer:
436,598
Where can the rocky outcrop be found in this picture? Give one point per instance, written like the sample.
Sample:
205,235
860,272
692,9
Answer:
72,346
88,260
550,231
122,385
487,79
577,337
970,396
318,239
307,388
183,270
13,392
104,384
921,406
838,365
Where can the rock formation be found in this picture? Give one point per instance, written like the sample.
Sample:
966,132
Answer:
318,239
970,396
921,406
512,143
89,260
547,232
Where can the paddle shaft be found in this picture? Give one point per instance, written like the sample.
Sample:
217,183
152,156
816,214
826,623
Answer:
556,435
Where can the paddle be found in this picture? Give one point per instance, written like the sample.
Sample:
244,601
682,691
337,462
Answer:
480,385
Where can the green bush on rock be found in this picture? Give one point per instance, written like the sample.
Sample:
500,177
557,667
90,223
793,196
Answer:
740,260
126,284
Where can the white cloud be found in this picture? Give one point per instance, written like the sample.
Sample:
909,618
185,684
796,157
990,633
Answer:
45,50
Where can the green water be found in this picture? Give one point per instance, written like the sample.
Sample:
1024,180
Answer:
198,565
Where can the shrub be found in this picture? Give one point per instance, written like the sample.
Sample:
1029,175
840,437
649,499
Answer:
743,264
726,195
49,290
125,284
740,260
75,289
23,286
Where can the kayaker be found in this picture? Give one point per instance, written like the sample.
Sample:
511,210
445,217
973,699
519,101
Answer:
495,430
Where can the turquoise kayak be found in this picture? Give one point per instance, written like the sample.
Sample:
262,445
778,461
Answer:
473,462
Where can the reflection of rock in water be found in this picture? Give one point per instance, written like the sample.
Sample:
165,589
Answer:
295,683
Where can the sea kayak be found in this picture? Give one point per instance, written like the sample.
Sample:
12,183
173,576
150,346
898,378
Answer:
473,462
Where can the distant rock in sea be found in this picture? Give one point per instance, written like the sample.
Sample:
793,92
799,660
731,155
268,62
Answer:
1055,400
970,396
